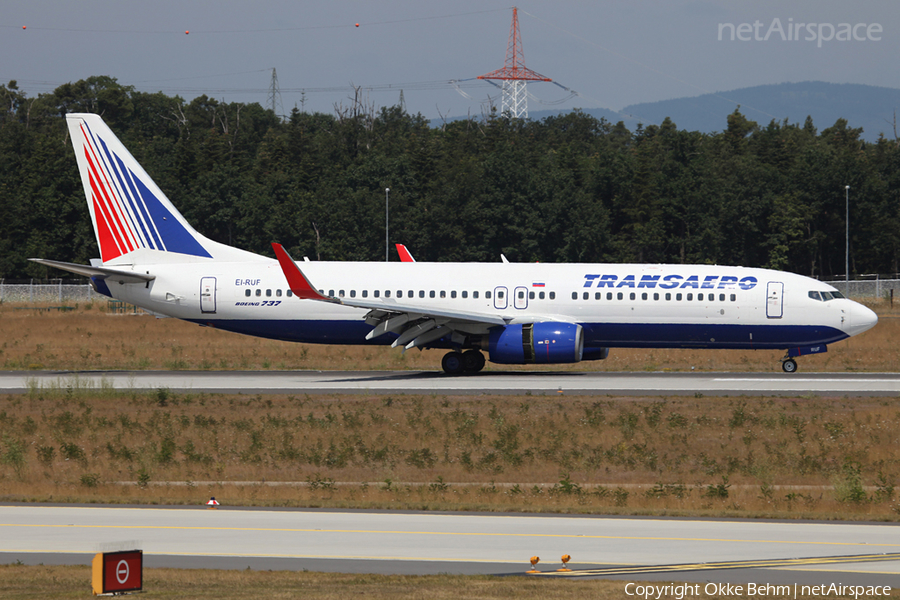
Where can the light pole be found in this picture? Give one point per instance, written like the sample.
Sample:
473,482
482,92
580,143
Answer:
847,239
387,191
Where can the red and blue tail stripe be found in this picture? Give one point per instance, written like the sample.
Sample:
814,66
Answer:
127,214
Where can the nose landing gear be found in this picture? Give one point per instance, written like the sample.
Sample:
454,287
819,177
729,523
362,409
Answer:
457,363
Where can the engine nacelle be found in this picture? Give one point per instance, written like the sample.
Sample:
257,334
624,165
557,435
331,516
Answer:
546,343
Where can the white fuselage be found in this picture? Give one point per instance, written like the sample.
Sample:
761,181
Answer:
619,305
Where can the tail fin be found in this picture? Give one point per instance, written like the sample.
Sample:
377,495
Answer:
129,212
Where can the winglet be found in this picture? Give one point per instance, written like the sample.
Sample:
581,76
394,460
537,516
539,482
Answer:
405,256
299,284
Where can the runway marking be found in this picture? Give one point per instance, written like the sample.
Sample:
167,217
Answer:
453,533
807,380
322,556
745,564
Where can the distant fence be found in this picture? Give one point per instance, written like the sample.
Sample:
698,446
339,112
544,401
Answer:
867,288
39,292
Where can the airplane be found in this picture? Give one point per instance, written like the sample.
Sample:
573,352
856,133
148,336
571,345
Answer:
507,313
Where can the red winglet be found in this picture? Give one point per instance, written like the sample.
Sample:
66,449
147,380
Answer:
405,256
297,281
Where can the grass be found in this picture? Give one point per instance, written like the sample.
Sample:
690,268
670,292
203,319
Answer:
828,458
27,582
90,338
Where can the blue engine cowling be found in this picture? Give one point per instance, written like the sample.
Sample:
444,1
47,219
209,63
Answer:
546,342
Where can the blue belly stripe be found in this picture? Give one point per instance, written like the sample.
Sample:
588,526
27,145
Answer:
596,335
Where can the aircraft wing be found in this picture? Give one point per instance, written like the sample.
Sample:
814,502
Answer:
416,325
99,272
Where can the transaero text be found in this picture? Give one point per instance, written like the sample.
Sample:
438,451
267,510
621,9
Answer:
687,590
668,282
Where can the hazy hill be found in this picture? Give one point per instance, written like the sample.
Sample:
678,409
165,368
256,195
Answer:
866,106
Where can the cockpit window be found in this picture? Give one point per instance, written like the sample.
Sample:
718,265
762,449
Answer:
825,296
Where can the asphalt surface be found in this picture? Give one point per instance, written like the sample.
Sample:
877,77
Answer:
628,549
430,382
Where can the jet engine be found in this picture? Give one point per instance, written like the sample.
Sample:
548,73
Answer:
546,343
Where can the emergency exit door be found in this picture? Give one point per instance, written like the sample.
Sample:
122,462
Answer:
774,300
208,295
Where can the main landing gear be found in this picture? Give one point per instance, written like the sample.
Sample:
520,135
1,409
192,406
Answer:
789,365
457,363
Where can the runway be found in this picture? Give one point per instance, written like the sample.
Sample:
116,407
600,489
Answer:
632,549
492,382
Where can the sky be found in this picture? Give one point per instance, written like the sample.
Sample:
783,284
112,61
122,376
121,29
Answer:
613,53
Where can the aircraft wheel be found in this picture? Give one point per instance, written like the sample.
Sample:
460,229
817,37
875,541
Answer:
452,363
789,366
473,361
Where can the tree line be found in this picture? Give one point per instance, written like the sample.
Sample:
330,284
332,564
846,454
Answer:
568,188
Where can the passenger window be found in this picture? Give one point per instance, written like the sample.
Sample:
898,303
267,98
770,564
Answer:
700,297
465,294
453,294
443,294
553,295
500,295
475,295
531,295
609,295
734,297
341,293
278,293
247,293
631,295
598,296
365,293
668,296
410,294
574,295
431,294
331,293
721,297
268,293
387,293
655,296
619,296
487,295
540,295
678,297
289,293
644,296
376,293
421,293
353,293
689,297
259,293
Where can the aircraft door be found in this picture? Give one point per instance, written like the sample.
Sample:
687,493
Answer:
207,294
774,300
520,299
500,299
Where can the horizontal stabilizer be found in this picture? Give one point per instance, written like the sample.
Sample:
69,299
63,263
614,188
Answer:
99,272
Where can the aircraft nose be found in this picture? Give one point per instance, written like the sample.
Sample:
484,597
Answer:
861,319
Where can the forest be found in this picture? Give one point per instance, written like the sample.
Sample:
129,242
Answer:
569,188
